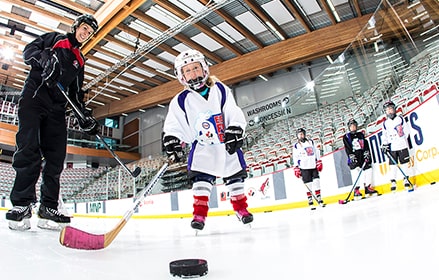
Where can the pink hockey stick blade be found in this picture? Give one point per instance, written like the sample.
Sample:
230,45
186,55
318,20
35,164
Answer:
74,238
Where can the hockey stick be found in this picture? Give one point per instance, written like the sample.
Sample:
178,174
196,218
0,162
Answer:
341,201
315,198
79,113
400,169
77,239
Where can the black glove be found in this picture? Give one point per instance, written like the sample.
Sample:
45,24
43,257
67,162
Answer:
366,156
87,123
352,161
51,70
233,139
385,148
173,148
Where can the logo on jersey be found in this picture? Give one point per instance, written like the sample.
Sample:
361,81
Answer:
210,128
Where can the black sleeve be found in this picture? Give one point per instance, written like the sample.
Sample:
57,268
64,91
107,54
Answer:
76,94
39,48
347,145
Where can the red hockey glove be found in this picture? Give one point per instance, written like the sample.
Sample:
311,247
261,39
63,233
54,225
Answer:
297,172
319,165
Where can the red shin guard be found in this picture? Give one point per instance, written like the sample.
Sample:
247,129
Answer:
201,205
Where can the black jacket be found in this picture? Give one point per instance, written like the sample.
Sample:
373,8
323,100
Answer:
72,62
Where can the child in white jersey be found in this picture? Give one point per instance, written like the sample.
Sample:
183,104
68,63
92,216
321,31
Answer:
306,158
395,144
206,115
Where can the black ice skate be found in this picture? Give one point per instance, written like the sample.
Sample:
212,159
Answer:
357,194
393,186
51,218
244,216
321,203
198,222
407,186
370,191
311,205
18,217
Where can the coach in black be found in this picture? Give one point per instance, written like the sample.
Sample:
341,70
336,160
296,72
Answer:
41,139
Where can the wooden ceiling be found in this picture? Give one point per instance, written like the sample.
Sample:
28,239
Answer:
130,59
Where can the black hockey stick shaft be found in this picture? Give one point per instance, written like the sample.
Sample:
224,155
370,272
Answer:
397,165
311,193
356,181
79,113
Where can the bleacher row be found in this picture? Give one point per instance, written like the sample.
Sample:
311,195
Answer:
327,129
270,151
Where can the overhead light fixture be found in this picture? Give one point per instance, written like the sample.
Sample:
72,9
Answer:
334,11
263,78
97,102
328,57
165,73
128,89
125,115
161,106
141,110
275,30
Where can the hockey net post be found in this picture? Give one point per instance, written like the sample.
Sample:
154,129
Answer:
72,237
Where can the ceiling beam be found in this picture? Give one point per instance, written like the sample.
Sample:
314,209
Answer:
286,53
328,11
266,19
111,23
180,37
202,27
297,15
237,25
357,8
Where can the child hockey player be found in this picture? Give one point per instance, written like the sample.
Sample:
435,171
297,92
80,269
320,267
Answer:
358,152
42,133
205,114
395,144
306,158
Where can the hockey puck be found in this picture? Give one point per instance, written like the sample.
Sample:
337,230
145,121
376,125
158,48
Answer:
188,268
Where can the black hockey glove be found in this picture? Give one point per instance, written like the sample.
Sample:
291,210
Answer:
366,156
51,71
88,123
385,148
173,148
352,161
233,139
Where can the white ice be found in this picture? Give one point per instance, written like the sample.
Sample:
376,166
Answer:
394,236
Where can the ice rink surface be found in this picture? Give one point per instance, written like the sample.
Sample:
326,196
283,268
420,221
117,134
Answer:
393,236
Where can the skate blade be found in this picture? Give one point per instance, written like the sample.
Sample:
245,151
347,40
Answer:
20,226
51,225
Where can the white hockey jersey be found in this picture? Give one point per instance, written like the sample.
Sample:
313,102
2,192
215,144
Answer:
201,122
395,133
305,154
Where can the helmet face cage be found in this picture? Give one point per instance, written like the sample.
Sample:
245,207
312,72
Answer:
301,130
351,122
188,57
88,19
390,104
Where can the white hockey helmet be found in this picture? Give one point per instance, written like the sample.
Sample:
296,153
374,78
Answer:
186,58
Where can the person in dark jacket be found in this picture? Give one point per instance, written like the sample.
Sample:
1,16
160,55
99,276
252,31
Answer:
358,152
41,139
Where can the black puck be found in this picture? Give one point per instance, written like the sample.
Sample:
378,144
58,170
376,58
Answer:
188,268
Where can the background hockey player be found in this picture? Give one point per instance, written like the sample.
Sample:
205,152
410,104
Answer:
395,143
306,158
205,114
358,152
42,132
